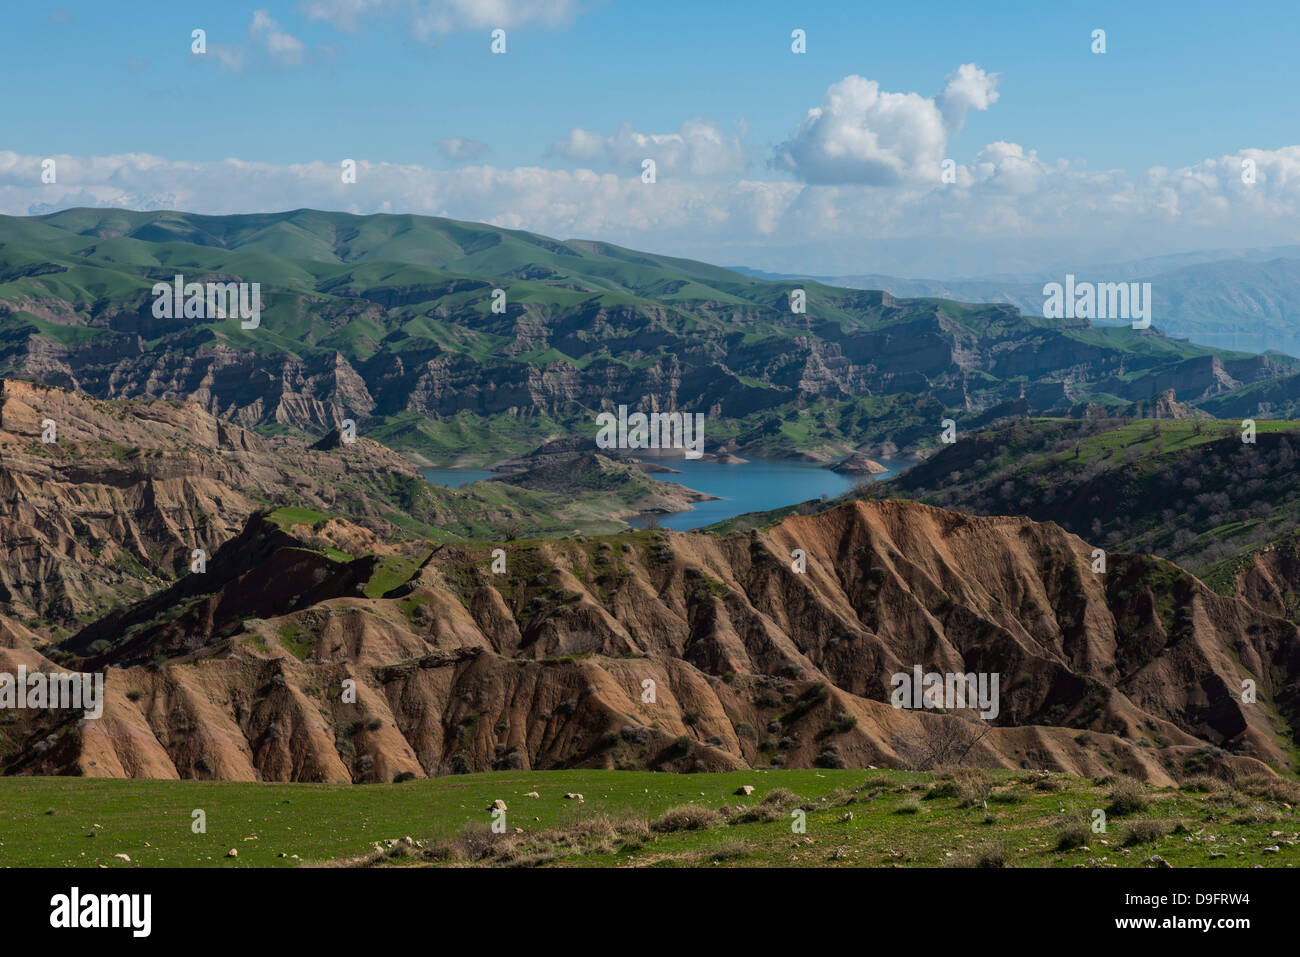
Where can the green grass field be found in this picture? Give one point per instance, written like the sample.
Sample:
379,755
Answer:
853,818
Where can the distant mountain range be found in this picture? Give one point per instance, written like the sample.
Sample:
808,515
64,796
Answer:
1248,299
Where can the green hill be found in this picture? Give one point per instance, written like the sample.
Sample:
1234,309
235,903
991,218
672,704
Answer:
389,320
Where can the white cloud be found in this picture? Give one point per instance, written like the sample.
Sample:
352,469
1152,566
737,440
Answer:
861,134
698,148
461,150
444,16
267,40
281,46
1005,193
967,88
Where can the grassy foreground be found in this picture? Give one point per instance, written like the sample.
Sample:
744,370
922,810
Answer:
853,818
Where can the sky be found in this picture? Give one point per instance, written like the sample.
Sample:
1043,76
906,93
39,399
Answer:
924,140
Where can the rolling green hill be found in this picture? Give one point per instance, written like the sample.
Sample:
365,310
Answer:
389,320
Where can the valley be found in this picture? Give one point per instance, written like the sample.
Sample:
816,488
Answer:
275,599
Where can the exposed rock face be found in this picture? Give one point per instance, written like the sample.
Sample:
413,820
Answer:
117,503
1163,406
547,665
1269,578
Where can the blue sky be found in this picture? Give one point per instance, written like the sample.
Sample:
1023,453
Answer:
1179,85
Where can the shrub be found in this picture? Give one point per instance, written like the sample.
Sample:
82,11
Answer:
941,789
973,787
1007,796
986,855
830,758
910,805
1145,832
731,851
1204,784
1270,786
760,814
1127,797
782,797
688,817
681,746
1074,834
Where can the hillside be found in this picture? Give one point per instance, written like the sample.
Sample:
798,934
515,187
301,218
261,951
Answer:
388,320
113,509
1188,490
238,674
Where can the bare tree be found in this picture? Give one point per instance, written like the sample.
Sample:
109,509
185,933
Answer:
950,740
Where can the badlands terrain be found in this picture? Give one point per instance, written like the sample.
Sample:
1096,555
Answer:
464,663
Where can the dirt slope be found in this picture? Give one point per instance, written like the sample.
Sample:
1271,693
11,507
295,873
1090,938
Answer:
242,675
116,504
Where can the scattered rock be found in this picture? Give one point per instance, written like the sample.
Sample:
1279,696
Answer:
233,852
127,857
745,789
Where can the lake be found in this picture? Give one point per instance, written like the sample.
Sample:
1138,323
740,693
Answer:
758,485
455,478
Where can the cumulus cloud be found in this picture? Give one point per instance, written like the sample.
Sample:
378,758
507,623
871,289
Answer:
460,150
699,148
444,16
967,88
1005,192
862,134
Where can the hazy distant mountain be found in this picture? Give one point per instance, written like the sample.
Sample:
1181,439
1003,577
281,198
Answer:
1245,299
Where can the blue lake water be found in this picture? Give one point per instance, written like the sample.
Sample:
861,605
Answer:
455,478
757,485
